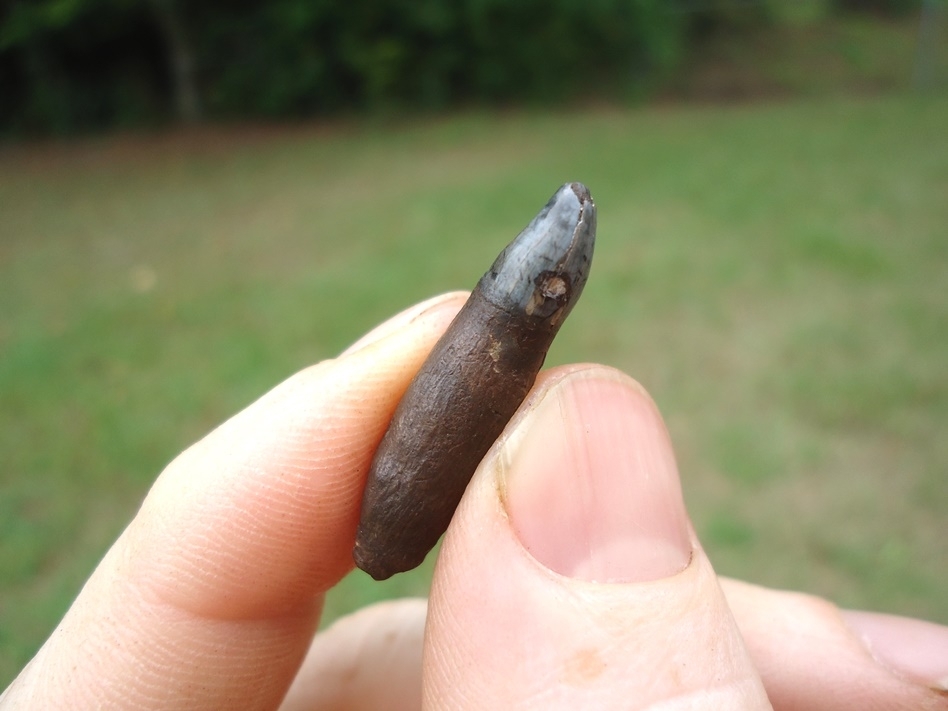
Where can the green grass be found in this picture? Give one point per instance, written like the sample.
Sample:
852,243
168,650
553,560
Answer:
774,274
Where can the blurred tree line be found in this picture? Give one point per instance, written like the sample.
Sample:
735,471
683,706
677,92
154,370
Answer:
73,65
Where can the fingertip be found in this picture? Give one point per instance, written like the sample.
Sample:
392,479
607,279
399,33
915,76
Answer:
811,654
630,609
263,510
591,482
438,311
916,649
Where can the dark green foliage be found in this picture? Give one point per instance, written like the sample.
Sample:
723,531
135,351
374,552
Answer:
79,64
74,65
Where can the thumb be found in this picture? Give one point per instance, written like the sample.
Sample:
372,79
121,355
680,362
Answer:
571,576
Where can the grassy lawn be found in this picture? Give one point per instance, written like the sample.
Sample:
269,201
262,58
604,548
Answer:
774,274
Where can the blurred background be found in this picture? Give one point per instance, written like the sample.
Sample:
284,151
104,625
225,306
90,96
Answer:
198,199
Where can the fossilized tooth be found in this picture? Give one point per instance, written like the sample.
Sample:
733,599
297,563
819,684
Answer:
473,381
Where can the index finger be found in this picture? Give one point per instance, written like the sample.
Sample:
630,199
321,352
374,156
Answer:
211,595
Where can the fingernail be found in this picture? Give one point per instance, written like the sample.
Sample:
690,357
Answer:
913,648
452,301
590,482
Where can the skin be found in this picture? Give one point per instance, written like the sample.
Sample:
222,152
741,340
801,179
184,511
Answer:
211,596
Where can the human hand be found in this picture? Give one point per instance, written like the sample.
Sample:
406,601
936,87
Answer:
570,576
